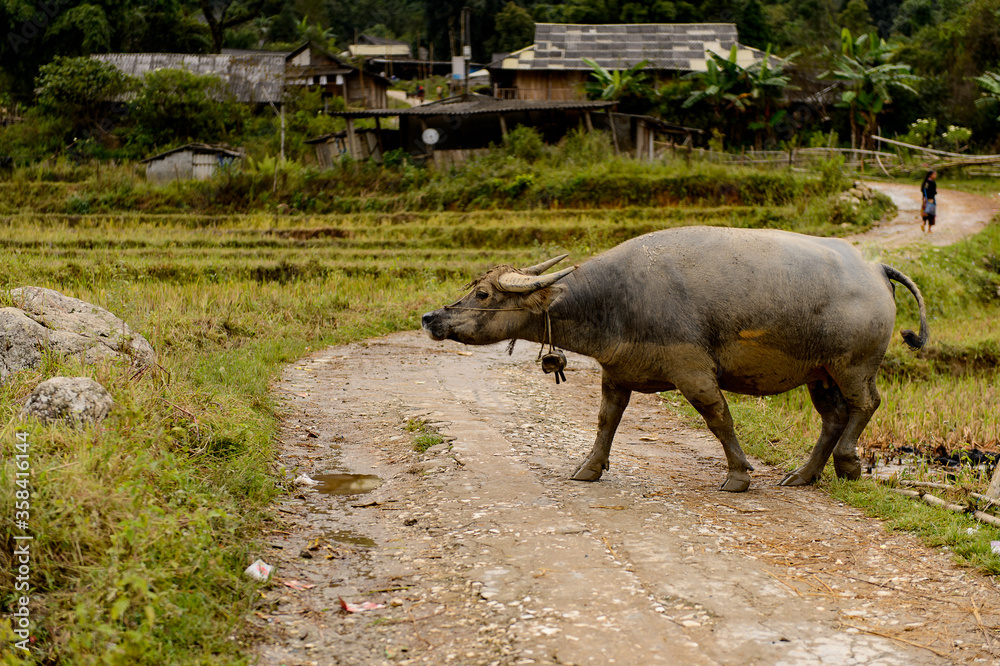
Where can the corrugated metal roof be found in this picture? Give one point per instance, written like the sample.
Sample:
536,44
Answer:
366,38
472,104
197,148
379,50
667,46
256,78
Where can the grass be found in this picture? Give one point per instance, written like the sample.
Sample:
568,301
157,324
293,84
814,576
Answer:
424,436
145,523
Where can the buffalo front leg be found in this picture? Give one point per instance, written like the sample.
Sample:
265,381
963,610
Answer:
704,395
614,400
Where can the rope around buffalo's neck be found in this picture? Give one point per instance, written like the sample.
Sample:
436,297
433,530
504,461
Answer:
546,335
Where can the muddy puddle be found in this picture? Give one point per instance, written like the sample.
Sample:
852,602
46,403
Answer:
346,484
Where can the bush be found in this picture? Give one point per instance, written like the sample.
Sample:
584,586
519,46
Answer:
79,88
524,143
176,106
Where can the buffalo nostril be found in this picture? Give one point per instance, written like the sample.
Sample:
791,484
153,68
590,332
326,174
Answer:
427,319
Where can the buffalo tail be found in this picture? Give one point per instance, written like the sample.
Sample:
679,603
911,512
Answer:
912,339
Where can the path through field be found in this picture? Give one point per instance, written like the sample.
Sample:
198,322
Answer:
960,214
481,551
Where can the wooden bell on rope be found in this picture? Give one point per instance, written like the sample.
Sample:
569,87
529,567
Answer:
555,361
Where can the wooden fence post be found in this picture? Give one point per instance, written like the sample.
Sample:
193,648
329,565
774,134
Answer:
993,492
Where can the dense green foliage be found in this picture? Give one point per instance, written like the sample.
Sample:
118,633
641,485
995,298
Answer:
522,175
77,89
176,106
952,45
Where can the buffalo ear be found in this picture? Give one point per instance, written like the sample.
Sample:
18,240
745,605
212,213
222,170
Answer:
541,300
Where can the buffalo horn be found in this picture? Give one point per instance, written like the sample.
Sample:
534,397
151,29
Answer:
538,269
518,283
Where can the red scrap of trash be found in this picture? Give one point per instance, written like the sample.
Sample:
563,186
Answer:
358,608
298,585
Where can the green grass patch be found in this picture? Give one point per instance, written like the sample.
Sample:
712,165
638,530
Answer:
424,435
966,538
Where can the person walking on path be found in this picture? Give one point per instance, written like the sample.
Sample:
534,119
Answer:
928,208
420,94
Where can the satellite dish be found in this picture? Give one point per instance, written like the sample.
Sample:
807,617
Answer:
430,136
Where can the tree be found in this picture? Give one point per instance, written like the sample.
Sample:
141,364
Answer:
175,104
80,88
733,90
514,28
284,27
752,25
164,26
629,86
223,15
870,80
990,96
856,18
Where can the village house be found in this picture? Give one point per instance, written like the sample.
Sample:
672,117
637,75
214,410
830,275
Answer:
450,131
553,68
262,77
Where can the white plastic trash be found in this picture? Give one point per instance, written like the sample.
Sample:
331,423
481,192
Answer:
995,547
304,480
259,570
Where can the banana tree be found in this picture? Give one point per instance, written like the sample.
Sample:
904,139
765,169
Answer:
990,97
730,88
613,85
768,82
720,84
863,64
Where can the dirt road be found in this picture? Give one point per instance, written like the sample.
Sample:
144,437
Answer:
483,552
959,215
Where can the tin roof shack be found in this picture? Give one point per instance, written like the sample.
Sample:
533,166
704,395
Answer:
449,131
313,67
261,77
196,161
553,69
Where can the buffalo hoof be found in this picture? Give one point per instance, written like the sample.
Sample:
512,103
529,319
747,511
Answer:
797,478
588,471
736,483
848,468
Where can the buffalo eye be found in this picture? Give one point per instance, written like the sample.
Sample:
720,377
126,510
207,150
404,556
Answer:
482,295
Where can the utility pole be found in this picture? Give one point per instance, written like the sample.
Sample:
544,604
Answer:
466,40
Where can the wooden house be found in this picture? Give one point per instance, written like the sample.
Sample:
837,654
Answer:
251,77
312,67
262,77
449,131
553,69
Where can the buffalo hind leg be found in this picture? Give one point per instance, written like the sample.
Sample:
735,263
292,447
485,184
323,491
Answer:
862,399
846,461
614,400
704,395
833,409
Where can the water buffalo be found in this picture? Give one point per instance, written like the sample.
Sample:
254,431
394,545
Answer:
705,310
